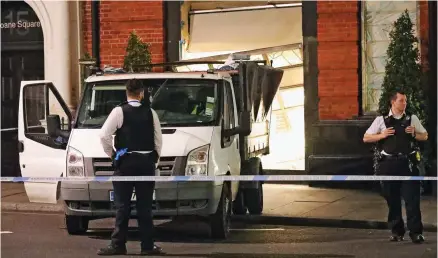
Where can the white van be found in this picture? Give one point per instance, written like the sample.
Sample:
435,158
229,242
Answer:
209,127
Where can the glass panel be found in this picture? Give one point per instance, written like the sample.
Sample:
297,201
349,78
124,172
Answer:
286,58
39,102
389,6
377,20
35,101
55,108
293,97
178,102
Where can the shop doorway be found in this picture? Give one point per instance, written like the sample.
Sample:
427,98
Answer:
271,32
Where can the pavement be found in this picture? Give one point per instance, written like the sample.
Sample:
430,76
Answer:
21,236
283,205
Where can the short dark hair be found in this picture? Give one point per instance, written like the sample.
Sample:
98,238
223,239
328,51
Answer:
134,87
393,95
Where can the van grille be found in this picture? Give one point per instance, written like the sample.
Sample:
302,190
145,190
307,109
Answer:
102,166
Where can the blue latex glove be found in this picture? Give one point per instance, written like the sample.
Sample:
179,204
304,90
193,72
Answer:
60,140
120,153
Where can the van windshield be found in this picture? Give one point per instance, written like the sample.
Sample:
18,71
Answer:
178,102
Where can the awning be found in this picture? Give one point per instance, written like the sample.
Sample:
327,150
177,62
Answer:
261,83
245,30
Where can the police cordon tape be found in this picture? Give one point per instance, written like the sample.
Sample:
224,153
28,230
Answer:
220,178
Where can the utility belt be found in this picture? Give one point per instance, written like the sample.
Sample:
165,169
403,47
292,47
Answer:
400,164
413,156
122,154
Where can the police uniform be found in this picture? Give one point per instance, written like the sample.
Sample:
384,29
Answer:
399,157
138,131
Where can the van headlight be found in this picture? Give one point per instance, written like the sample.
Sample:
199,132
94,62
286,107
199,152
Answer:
197,161
75,163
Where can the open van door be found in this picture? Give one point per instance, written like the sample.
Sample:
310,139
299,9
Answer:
42,153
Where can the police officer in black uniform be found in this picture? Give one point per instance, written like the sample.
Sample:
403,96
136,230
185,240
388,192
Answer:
396,135
137,148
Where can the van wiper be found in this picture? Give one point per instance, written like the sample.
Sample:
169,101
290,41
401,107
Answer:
90,126
158,91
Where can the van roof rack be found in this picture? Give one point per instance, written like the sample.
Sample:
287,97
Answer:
106,70
112,70
172,65
180,63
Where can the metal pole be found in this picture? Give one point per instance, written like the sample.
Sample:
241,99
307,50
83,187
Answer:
95,30
248,8
432,56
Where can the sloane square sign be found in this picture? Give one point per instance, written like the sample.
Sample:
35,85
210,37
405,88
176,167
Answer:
20,24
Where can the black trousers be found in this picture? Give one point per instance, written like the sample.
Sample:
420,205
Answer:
394,191
134,165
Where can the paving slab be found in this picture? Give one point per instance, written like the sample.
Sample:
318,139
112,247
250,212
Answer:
283,204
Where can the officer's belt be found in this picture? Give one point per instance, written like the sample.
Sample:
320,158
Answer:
141,152
397,155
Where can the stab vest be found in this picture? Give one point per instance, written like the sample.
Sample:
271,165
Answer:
401,142
137,131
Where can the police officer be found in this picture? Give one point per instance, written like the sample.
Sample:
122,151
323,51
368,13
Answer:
396,135
138,133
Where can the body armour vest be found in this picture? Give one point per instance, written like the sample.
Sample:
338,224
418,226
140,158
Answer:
400,142
137,131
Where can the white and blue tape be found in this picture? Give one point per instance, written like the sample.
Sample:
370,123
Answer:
220,178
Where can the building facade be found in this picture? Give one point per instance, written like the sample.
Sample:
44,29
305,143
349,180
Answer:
44,40
352,38
341,45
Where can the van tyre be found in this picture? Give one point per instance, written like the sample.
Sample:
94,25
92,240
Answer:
76,225
254,199
239,207
221,220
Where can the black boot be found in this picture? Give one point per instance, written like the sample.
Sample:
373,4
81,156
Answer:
417,238
112,250
156,250
396,238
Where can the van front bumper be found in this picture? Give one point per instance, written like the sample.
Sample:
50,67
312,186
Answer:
171,199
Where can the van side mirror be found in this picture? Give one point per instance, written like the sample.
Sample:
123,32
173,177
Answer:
53,125
244,123
244,127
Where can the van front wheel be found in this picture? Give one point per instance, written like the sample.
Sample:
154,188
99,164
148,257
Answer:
221,220
76,225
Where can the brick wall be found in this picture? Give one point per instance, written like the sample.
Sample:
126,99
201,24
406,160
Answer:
338,56
117,20
337,59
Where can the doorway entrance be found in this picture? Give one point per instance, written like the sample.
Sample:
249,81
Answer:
22,55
